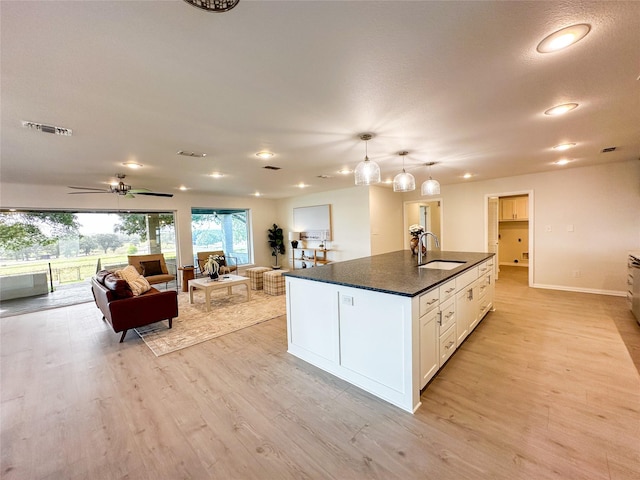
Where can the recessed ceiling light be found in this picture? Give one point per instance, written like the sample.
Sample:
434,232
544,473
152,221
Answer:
216,175
388,181
561,109
345,171
562,161
564,146
132,165
264,154
467,175
257,194
563,38
183,188
302,185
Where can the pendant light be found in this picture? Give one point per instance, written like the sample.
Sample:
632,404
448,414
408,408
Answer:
404,182
367,172
431,186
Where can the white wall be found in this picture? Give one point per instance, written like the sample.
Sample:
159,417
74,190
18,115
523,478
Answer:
38,197
602,203
350,223
385,208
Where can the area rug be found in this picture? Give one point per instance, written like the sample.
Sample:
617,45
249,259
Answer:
229,313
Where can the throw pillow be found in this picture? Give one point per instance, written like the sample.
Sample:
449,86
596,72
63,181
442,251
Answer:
128,273
150,268
118,286
137,282
139,286
101,275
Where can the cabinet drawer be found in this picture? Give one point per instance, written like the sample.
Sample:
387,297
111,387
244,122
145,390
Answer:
447,290
429,301
466,278
485,267
483,287
447,316
447,345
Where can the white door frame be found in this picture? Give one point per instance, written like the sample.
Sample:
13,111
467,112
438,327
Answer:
532,255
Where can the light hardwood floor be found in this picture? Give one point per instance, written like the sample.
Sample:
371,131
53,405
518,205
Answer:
546,387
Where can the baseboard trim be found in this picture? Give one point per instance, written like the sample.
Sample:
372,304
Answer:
596,291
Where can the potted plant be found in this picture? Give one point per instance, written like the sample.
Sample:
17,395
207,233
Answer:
276,242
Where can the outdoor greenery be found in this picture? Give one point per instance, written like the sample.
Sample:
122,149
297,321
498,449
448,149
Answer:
50,241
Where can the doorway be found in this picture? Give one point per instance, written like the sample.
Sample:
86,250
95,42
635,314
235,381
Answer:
509,231
429,215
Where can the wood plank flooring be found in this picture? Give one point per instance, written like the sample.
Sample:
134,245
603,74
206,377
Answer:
547,387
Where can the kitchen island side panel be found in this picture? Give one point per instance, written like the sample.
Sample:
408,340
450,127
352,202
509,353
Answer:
370,339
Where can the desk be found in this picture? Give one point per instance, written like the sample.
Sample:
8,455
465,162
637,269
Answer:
208,285
188,273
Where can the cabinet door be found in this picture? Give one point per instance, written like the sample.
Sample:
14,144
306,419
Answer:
466,311
522,208
507,208
428,347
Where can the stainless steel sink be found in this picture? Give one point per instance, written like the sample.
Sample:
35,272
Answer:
442,264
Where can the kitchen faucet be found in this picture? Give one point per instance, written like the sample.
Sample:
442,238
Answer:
423,242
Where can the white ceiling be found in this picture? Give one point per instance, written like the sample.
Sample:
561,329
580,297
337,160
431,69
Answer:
459,83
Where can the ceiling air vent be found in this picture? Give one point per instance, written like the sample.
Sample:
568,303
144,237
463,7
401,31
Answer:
608,149
185,153
271,167
324,176
47,128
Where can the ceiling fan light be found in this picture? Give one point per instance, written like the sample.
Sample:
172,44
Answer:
404,182
430,187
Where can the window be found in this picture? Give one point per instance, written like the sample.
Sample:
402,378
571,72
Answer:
221,229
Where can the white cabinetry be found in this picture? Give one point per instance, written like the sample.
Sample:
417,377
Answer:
466,310
428,346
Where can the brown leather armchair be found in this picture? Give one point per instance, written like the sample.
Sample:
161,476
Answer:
152,266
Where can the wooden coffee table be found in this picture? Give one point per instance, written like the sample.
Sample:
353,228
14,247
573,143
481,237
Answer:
225,281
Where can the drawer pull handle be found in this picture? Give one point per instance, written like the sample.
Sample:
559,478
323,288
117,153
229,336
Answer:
449,315
449,345
432,301
449,290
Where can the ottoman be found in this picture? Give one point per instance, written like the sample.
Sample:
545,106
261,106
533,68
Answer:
274,282
255,276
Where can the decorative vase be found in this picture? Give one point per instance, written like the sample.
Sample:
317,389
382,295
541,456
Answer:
413,243
213,276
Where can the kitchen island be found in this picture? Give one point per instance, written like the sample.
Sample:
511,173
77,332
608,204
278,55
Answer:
385,324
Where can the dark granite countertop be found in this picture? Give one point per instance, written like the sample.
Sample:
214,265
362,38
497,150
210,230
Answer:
396,273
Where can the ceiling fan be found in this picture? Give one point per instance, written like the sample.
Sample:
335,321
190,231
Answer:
121,189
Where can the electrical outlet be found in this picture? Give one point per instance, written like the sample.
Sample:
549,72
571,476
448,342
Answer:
347,300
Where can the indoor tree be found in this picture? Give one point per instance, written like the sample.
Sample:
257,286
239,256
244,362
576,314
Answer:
276,242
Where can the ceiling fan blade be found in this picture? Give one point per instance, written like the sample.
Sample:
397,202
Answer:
155,194
89,188
139,190
82,193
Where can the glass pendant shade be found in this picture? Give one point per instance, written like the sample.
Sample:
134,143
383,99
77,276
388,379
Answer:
367,172
430,187
404,182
